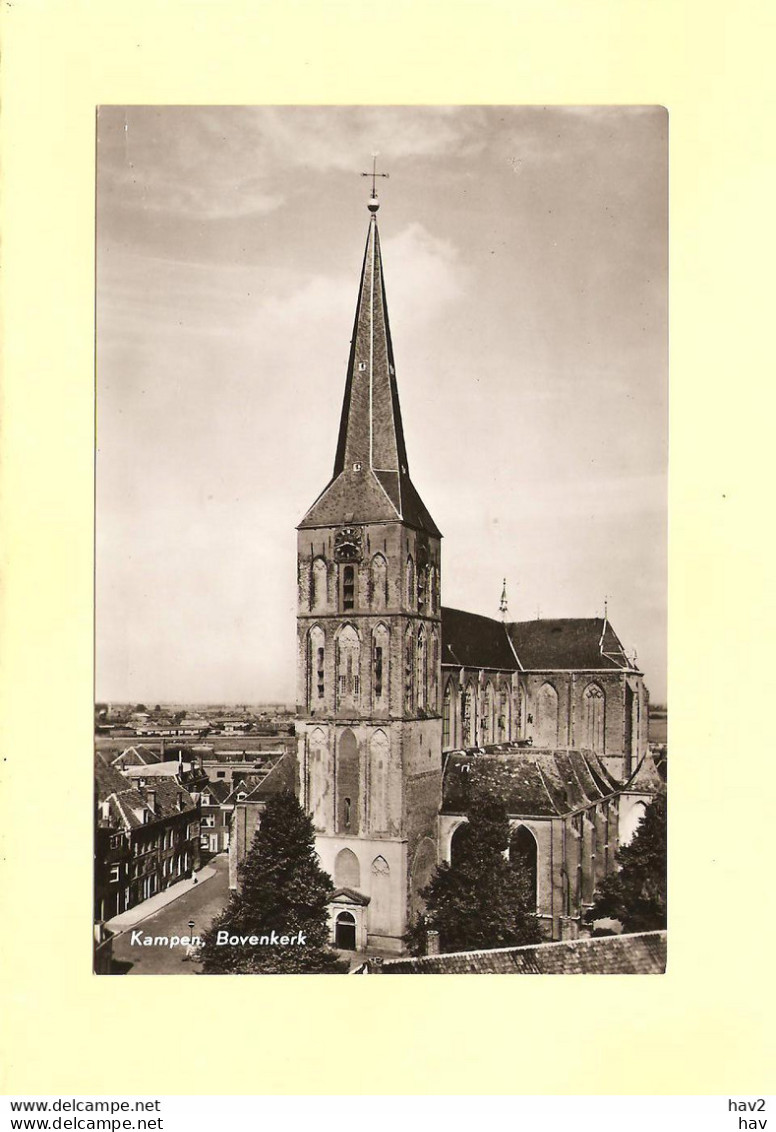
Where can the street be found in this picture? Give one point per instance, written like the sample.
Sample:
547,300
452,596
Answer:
200,904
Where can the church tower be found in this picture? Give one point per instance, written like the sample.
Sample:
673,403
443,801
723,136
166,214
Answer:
369,729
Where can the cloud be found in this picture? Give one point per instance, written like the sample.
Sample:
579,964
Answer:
219,162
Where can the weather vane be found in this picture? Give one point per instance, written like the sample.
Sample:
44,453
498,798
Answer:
374,175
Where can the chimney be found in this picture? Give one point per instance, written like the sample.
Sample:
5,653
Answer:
105,810
151,799
180,801
432,942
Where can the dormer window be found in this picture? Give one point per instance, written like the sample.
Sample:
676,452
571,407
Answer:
356,467
362,366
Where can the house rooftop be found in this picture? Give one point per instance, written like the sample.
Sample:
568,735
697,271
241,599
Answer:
638,953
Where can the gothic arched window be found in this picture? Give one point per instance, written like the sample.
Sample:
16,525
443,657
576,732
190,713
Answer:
319,576
421,681
422,587
316,667
348,667
503,721
447,717
320,778
523,855
348,587
379,749
347,871
546,723
411,595
348,778
378,583
469,715
593,715
380,902
380,660
433,690
409,671
486,724
433,588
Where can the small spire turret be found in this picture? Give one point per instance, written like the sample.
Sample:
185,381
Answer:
503,607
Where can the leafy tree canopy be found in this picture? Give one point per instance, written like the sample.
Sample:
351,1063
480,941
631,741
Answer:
636,894
283,890
482,899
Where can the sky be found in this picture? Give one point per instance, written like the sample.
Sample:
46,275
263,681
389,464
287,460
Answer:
525,257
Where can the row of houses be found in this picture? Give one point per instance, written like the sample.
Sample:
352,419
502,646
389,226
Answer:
157,820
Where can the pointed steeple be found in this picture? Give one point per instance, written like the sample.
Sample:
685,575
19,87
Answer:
503,605
371,481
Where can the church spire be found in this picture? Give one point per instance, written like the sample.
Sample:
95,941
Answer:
371,479
503,606
371,429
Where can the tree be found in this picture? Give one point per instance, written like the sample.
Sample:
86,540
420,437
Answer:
482,899
283,893
636,894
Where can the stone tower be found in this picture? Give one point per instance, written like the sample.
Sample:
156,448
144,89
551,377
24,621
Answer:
369,650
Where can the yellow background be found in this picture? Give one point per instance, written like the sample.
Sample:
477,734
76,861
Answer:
707,1026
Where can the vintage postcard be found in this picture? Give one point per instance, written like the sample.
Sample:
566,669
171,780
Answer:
339,620
378,750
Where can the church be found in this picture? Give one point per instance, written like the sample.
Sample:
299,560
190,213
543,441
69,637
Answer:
403,703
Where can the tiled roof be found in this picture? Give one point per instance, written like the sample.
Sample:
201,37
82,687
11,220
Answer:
371,481
646,778
127,804
281,777
244,784
567,643
218,790
532,782
137,756
349,896
167,769
640,953
473,641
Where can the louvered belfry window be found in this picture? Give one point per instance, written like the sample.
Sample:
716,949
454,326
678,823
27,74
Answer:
348,588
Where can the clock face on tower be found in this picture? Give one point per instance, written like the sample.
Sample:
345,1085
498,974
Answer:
347,544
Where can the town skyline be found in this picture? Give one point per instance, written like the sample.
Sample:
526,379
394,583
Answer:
525,266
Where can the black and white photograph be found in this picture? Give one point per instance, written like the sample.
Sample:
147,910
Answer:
381,540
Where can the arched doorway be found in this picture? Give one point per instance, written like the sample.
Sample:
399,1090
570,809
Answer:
523,854
345,932
460,834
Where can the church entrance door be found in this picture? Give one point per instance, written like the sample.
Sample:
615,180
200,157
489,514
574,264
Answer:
345,932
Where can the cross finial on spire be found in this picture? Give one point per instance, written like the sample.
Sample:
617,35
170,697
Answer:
374,203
